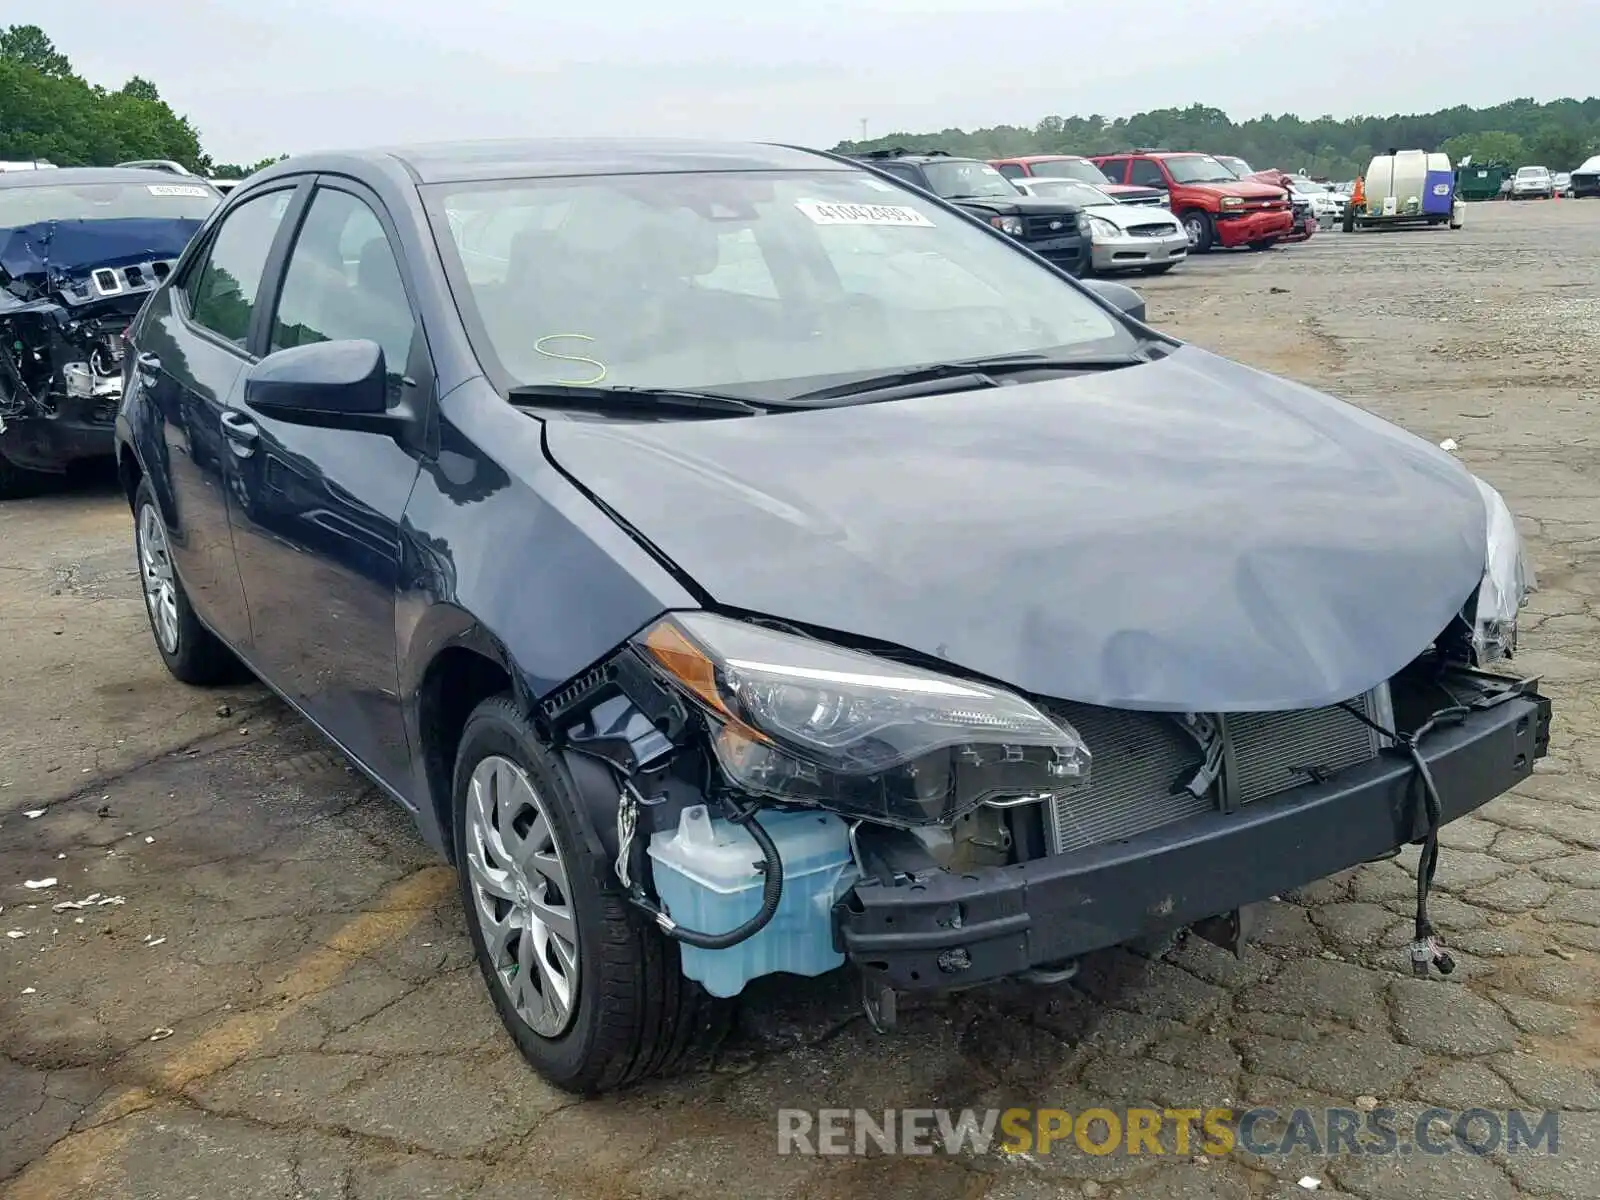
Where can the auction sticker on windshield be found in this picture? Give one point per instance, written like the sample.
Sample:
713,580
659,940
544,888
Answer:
177,189
823,212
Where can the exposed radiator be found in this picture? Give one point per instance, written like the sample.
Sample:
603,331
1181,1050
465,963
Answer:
1142,762
1137,759
1273,752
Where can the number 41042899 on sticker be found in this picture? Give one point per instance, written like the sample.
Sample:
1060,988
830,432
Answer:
823,212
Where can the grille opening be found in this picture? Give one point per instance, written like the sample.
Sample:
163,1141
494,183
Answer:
1143,763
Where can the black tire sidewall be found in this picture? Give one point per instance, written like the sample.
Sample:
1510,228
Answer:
496,727
18,483
176,660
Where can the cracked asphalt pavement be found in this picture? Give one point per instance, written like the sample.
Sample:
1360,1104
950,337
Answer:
271,993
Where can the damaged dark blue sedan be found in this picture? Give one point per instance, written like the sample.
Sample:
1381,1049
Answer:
741,563
80,250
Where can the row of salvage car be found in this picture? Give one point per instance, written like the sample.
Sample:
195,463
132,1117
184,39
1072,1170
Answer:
1140,211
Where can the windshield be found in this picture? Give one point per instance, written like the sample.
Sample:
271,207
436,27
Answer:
105,201
1071,168
1531,172
766,284
1309,188
961,178
1238,166
1069,190
1198,168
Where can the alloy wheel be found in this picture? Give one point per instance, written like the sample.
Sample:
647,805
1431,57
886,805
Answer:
521,900
160,584
1194,229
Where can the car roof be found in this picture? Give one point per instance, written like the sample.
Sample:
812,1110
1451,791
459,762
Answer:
68,176
1162,154
1033,158
527,158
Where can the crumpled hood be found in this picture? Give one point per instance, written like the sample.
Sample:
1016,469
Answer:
53,248
1190,535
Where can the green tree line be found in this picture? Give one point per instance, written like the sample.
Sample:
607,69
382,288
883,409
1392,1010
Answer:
48,111
1559,135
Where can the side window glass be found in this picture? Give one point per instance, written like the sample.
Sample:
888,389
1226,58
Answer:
906,173
222,293
1012,170
343,281
1114,168
1147,174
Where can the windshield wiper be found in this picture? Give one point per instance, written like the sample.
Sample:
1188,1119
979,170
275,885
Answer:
958,375
589,398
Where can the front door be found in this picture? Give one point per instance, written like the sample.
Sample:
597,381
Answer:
317,528
193,349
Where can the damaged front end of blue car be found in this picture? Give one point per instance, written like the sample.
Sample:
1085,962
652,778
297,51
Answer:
69,286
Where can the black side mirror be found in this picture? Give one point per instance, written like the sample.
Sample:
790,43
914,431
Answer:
1120,295
334,385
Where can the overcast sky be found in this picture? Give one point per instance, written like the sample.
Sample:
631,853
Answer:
263,77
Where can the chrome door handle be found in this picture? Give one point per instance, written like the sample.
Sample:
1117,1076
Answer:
241,433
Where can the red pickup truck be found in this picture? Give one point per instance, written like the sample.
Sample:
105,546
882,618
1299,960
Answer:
1215,207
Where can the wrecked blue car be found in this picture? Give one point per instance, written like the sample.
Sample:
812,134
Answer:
80,249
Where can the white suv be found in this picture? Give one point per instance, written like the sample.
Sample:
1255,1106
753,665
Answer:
1532,181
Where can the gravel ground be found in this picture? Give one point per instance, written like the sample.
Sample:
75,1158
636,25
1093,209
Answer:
282,1001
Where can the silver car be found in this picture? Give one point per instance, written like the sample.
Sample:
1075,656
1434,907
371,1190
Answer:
1124,237
1532,182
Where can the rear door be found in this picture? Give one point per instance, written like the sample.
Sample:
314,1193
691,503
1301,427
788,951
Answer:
318,523
191,351
1114,169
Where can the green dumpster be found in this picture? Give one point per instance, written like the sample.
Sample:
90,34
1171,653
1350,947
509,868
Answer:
1480,181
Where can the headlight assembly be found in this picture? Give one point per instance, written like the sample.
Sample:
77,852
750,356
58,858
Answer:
1103,229
1507,581
794,719
1011,225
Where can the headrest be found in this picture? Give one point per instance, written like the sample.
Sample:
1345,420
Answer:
376,272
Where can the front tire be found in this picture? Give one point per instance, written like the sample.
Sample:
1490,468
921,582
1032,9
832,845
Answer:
591,992
1160,269
193,653
1264,244
1202,232
18,483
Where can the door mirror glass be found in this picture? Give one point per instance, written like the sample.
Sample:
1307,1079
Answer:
1119,294
320,383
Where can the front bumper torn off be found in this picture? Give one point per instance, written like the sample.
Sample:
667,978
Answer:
941,929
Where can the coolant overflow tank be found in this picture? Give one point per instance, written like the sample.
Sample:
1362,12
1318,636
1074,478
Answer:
708,877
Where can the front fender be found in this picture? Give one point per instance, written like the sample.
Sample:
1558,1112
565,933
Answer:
506,557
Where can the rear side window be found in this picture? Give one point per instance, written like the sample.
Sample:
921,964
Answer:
1147,173
1114,168
222,294
1012,170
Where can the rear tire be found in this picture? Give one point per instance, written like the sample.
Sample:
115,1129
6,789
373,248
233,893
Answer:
1201,229
1348,224
625,1012
18,483
193,654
